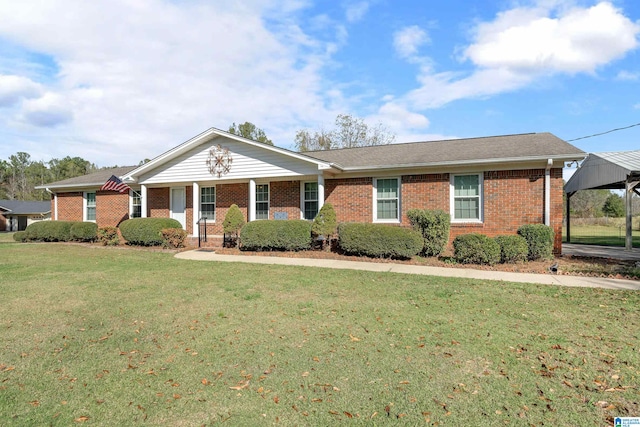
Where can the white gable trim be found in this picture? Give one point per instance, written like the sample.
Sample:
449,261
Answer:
175,152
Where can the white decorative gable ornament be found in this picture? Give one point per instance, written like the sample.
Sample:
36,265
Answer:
219,161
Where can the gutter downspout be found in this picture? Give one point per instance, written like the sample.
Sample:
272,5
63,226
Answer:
547,192
55,203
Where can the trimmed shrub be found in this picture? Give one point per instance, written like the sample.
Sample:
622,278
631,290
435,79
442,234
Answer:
539,238
146,231
49,231
325,223
20,236
282,235
108,236
513,248
476,248
379,240
173,237
84,231
233,220
434,227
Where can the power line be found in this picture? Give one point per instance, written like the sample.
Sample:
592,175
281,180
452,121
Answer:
603,133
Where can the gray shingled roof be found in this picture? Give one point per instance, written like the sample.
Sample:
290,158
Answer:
92,179
19,207
454,151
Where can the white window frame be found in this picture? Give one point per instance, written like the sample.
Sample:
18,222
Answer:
215,202
268,201
85,206
399,198
480,197
132,195
304,200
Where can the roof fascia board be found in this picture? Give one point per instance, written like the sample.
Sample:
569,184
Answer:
479,162
202,137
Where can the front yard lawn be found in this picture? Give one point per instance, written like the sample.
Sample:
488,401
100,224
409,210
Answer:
119,336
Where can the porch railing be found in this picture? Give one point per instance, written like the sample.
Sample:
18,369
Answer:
202,230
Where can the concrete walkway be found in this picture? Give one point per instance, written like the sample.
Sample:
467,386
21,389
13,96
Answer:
613,252
546,279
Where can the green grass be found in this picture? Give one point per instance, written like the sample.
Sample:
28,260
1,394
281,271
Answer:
600,235
111,336
6,237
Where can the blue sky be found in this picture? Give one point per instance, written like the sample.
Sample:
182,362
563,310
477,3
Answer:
119,81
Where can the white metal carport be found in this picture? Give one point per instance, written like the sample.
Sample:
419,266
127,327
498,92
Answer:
611,171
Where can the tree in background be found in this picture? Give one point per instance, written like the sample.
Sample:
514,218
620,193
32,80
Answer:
588,203
70,167
250,131
614,206
350,132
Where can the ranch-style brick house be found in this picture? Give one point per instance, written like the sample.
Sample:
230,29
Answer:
489,185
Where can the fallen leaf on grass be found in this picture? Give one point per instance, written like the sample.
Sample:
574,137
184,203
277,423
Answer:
4,368
81,419
34,403
241,385
354,338
348,414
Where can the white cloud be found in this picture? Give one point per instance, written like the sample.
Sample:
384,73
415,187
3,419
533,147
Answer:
47,111
628,76
572,41
16,88
398,117
137,78
522,45
356,11
637,106
408,41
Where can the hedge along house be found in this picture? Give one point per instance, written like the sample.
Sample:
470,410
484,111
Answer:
489,185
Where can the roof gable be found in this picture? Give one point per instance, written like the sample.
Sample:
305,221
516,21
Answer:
90,180
188,160
604,170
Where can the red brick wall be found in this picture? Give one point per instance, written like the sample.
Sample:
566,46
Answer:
352,199
285,197
511,199
158,202
111,208
69,206
189,209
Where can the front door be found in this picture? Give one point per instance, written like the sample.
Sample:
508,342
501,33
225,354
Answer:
178,205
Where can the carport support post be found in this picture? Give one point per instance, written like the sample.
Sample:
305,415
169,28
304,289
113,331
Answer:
628,196
569,216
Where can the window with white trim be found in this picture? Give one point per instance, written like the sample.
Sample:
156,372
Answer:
386,203
90,206
208,203
310,200
466,198
136,204
262,201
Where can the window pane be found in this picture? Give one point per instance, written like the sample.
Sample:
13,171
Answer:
262,210
91,206
466,185
387,188
208,203
91,199
311,191
387,209
467,208
310,209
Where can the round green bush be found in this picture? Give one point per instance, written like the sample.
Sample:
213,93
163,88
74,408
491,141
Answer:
282,235
539,238
513,248
49,231
434,226
233,220
379,240
20,236
84,231
146,231
476,248
325,223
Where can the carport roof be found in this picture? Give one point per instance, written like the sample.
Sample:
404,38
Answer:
605,171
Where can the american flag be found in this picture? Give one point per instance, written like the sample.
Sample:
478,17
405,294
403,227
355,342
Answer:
115,184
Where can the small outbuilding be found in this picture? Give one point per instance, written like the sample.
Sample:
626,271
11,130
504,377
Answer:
16,215
610,171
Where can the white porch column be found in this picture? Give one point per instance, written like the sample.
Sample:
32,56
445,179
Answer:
320,191
143,201
55,206
196,209
547,193
251,208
